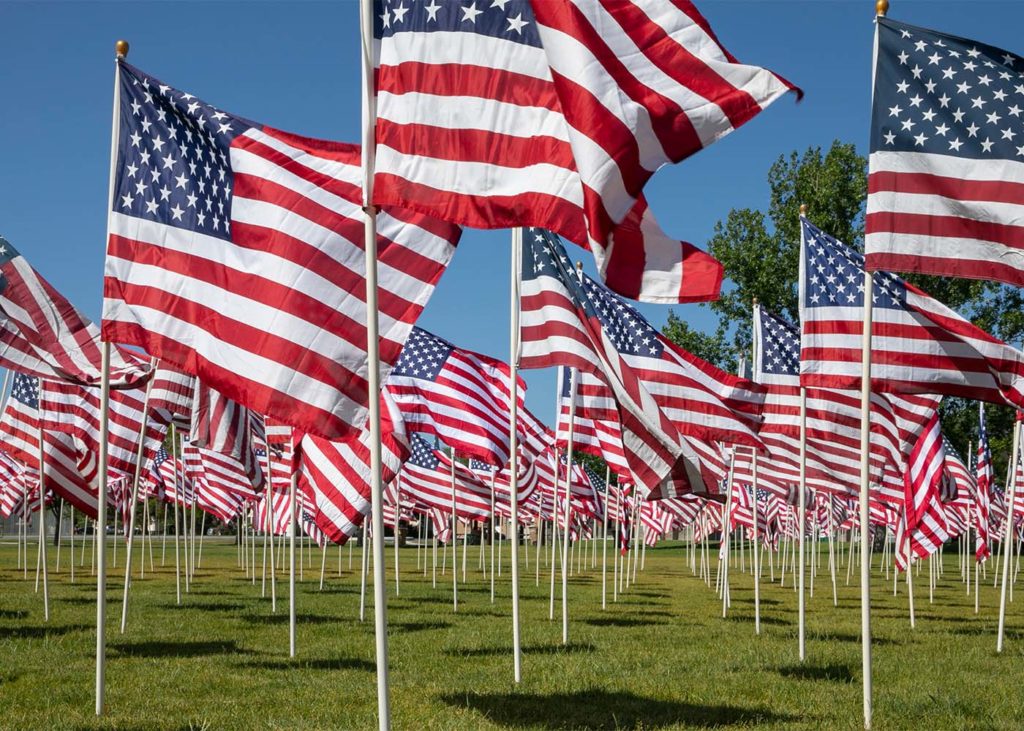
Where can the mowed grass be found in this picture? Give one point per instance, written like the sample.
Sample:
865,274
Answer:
660,658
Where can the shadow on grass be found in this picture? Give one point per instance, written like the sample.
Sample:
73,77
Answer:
209,607
36,632
833,671
571,648
282,618
342,663
622,622
418,626
749,619
599,709
13,614
156,648
851,637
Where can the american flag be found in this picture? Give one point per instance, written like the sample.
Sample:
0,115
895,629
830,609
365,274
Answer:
596,427
984,486
918,344
236,252
14,483
457,395
44,335
490,117
221,482
223,426
74,409
70,469
947,156
925,519
170,396
428,478
335,476
569,320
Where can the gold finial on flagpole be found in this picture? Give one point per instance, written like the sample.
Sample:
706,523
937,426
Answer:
755,301
881,7
803,209
121,49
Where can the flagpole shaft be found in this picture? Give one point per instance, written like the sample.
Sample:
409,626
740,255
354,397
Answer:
802,538
1008,534
42,529
291,564
517,240
568,508
101,545
455,544
134,500
865,476
756,552
604,540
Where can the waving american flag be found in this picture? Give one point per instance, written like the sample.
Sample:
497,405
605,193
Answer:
555,114
236,251
947,157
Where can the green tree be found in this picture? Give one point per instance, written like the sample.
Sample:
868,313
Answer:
760,251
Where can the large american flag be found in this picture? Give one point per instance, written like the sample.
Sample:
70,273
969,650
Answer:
555,114
457,395
918,344
43,334
947,157
236,253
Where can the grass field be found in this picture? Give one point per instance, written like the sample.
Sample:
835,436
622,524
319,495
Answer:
661,658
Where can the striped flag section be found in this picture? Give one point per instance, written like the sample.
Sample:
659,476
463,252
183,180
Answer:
555,114
69,468
944,191
335,476
983,489
456,395
236,254
428,478
222,426
918,344
925,519
14,484
74,409
44,335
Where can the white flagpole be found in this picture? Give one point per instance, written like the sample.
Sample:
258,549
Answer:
291,563
455,544
604,540
373,366
1008,535
134,501
517,242
494,474
802,529
42,529
865,477
121,51
568,503
756,551
398,514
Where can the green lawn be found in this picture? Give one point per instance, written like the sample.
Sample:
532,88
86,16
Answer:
661,658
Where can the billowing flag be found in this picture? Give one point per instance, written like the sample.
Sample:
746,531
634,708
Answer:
236,254
918,344
555,114
947,157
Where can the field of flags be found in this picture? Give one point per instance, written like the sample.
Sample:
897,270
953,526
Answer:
259,366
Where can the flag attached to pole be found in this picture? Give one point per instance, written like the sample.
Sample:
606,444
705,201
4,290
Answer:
946,168
236,253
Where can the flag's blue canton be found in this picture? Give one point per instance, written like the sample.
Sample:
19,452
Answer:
566,381
834,275
946,95
780,346
423,356
762,494
510,20
475,464
423,454
628,331
26,390
596,481
7,252
173,165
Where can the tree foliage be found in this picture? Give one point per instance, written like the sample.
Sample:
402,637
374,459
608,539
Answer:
760,250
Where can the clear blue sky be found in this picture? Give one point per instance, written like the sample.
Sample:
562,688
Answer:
295,66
